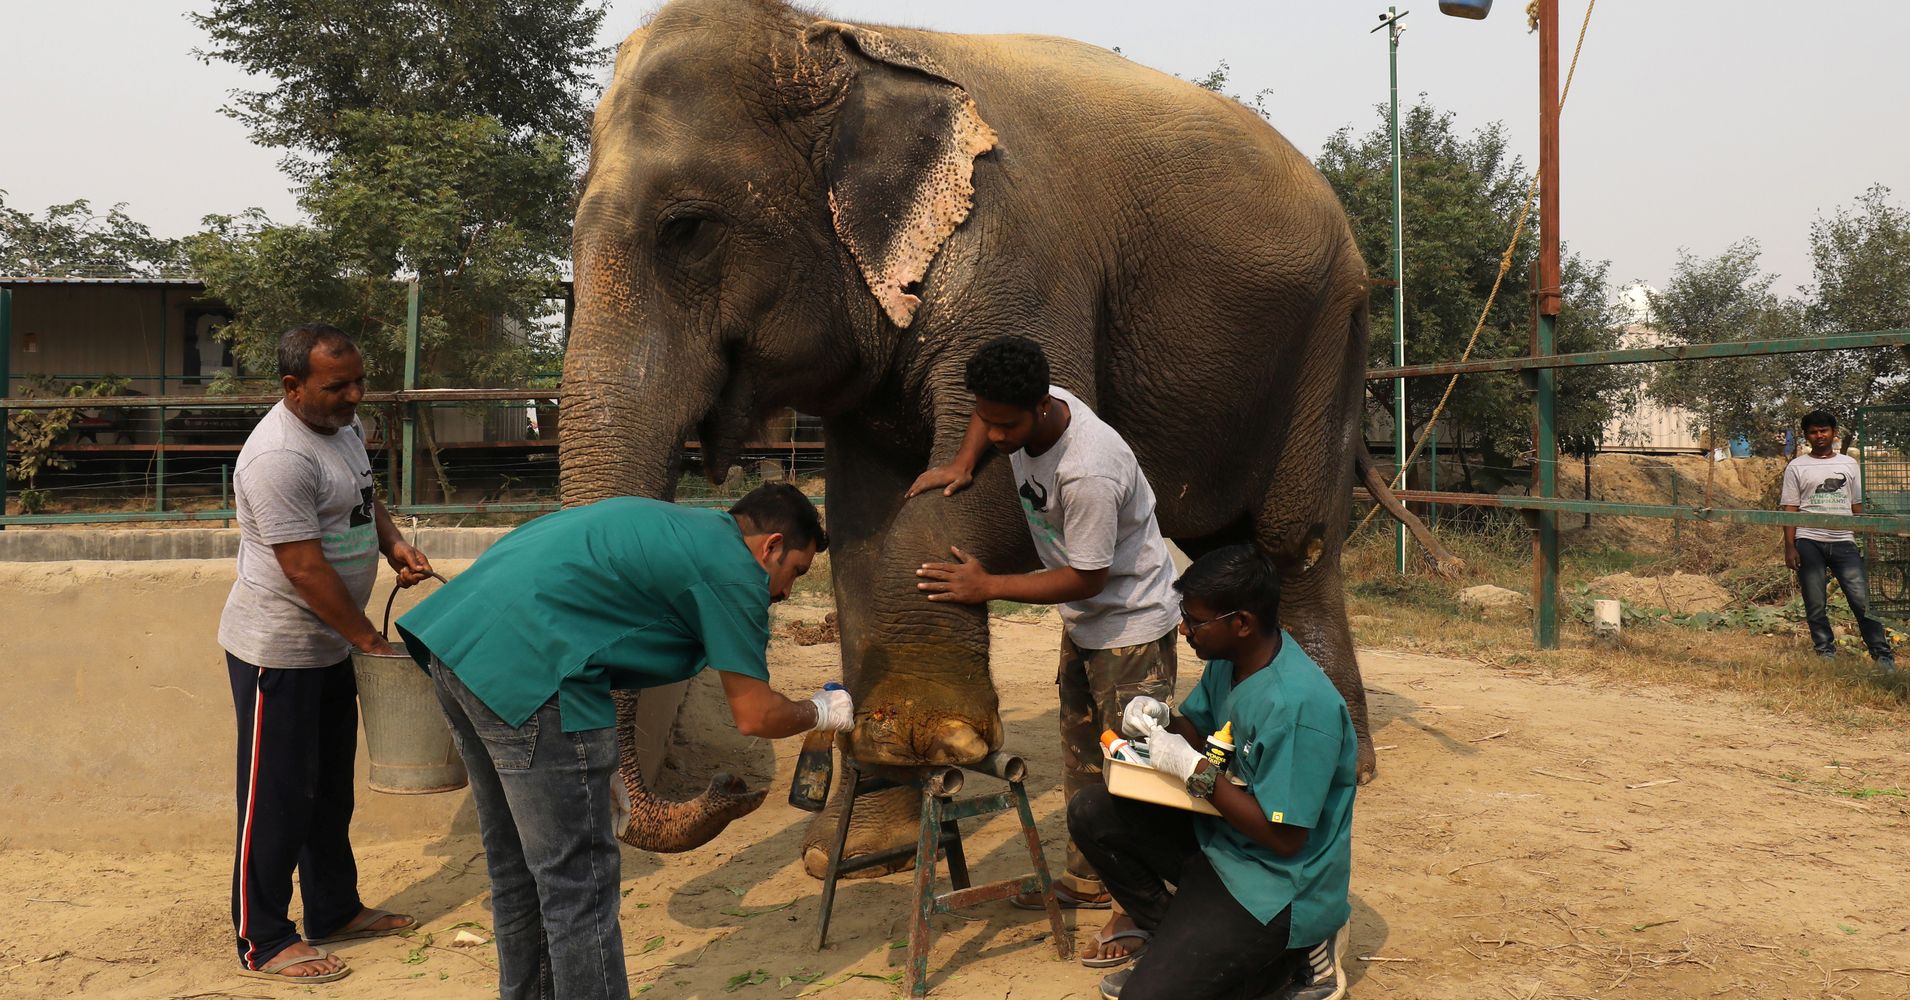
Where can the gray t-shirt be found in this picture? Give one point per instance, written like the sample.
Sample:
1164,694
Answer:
1089,507
1823,486
293,484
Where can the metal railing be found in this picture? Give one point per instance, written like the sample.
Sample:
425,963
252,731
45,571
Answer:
1542,509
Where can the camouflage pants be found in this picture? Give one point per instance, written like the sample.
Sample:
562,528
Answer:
1096,685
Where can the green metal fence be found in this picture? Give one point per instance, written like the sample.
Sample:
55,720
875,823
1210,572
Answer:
1883,436
398,459
1543,507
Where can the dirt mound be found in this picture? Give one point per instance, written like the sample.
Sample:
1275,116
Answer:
1679,593
802,633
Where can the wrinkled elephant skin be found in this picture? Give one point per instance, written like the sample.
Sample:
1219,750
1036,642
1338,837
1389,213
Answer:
782,211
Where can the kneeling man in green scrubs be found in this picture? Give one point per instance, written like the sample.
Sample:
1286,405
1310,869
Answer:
525,648
1260,903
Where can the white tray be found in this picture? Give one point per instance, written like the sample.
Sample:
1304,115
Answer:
1138,781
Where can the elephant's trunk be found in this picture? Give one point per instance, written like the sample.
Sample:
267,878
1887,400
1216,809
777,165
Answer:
672,827
627,403
618,435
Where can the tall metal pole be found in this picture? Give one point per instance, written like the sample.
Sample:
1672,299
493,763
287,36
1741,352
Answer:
407,471
159,455
1399,286
1545,541
6,385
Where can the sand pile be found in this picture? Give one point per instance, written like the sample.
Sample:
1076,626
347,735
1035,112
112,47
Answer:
1679,593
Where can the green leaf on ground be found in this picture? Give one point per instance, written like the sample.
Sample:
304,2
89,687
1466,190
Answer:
742,979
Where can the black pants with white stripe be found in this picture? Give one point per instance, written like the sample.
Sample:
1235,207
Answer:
298,740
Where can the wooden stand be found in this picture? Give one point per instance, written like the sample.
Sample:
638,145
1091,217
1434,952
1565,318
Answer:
940,835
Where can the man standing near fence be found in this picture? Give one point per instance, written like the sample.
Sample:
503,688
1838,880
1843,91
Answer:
1822,481
311,529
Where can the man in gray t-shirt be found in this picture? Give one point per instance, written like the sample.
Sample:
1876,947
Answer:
310,532
1825,482
1091,514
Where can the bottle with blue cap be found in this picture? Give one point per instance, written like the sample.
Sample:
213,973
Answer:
815,767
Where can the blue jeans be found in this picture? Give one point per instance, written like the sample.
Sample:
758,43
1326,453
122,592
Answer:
1818,560
544,810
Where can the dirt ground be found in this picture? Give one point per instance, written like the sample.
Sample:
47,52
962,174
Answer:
1529,836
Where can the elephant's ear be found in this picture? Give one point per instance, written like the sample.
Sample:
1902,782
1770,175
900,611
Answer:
901,163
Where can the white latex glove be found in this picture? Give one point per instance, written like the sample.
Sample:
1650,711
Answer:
834,710
1138,712
1170,753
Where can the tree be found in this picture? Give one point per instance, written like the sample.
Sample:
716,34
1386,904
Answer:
1861,263
1714,300
478,220
1461,198
439,139
522,64
69,239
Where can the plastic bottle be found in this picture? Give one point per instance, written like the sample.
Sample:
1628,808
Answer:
815,767
1117,748
1220,747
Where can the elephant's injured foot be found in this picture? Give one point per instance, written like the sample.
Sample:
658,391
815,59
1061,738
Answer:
883,820
924,715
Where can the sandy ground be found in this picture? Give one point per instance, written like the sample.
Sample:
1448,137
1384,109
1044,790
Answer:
1528,837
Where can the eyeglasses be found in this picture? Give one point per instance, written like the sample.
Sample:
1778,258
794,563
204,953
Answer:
1192,626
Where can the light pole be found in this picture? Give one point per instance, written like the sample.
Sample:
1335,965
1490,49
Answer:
1390,21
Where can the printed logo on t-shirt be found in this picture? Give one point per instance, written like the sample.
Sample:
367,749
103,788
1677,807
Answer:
361,514
1832,487
1034,504
1035,494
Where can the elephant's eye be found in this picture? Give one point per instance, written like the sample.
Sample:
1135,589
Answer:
689,236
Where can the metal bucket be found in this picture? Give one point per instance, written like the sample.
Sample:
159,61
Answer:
406,735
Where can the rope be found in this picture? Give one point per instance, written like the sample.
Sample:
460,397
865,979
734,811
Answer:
1505,265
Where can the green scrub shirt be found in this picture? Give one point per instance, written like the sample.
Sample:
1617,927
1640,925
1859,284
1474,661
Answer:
622,593
1295,748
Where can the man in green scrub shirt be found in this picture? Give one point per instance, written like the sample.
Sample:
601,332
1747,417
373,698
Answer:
1261,898
525,648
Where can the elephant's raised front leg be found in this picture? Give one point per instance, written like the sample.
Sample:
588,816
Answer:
918,670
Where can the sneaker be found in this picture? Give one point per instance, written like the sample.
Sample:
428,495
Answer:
1887,664
1321,976
1111,984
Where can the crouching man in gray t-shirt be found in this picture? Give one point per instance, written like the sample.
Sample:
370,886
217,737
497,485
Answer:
310,533
1091,513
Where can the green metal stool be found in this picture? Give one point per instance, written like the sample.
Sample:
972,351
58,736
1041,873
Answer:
940,835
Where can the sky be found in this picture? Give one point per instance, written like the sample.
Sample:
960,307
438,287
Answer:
1691,124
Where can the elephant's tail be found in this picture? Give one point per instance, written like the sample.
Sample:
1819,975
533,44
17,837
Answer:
1444,562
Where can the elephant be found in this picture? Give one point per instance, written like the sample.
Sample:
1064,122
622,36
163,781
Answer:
782,210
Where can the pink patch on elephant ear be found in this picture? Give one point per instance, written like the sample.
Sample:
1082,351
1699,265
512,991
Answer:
902,165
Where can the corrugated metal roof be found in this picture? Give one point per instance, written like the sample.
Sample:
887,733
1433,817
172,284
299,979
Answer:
71,279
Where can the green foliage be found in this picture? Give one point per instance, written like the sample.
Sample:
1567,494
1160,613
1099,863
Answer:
479,220
1861,263
1461,198
522,65
1216,80
1717,299
33,435
70,239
